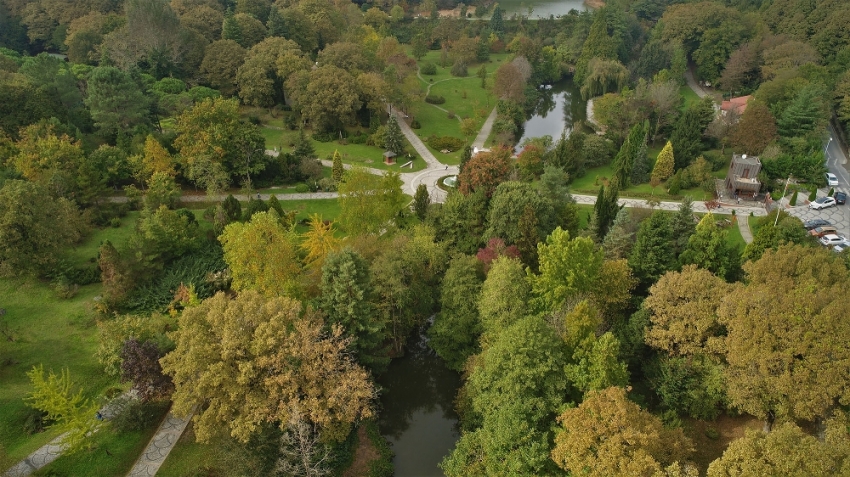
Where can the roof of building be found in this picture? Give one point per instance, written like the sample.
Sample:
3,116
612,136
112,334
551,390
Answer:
738,104
745,159
389,154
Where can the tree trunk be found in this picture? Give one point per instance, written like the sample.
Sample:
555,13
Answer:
768,423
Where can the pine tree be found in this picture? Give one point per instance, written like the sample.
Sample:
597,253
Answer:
568,153
394,140
687,136
682,225
663,164
230,29
275,24
652,254
337,170
232,208
618,242
421,200
528,238
303,147
274,204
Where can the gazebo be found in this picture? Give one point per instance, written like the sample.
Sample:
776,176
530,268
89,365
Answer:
389,158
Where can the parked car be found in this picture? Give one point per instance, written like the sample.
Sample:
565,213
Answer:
822,203
821,231
831,179
840,198
840,248
831,239
815,223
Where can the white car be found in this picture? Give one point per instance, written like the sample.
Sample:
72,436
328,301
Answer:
832,239
822,203
831,180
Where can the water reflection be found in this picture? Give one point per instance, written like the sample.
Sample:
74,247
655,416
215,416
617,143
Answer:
559,107
417,414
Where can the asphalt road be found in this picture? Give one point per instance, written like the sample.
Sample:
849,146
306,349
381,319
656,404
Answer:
836,162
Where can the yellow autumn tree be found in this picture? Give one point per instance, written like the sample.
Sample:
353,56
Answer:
319,240
663,164
262,256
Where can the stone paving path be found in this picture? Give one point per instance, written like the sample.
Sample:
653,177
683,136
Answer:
744,227
160,446
53,450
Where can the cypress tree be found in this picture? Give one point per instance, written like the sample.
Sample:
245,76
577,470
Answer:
640,163
528,237
421,200
664,164
465,156
337,170
274,204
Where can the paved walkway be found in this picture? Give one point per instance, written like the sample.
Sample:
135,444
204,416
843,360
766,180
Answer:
54,449
482,136
160,446
744,227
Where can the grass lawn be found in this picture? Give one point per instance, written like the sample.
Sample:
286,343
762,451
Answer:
734,237
590,182
123,450
50,331
464,97
86,253
54,332
688,96
355,154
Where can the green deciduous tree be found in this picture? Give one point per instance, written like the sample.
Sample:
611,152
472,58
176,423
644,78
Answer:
787,230
609,435
504,295
708,248
36,228
514,388
507,207
222,60
454,334
244,362
568,268
369,204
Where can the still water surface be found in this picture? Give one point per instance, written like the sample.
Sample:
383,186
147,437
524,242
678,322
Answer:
541,8
559,108
418,416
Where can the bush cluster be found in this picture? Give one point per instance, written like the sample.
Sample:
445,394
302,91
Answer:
434,99
428,69
445,142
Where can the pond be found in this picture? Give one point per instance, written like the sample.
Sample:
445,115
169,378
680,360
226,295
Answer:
560,107
417,415
541,8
